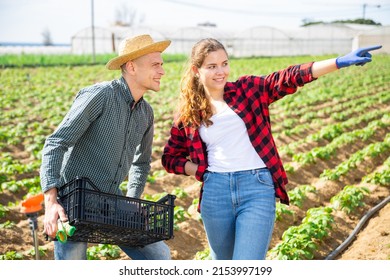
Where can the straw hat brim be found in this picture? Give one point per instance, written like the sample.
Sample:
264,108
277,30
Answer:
117,62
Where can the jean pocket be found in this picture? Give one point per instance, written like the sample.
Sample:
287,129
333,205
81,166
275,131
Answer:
264,177
206,176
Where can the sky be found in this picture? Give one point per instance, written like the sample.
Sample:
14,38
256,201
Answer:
25,20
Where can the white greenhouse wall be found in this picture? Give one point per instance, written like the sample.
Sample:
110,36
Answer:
378,36
319,39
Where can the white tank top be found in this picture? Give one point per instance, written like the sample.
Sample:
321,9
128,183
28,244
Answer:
228,146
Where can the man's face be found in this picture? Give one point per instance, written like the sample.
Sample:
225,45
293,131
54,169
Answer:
148,71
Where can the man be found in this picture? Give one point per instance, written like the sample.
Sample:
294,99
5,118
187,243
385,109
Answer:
106,135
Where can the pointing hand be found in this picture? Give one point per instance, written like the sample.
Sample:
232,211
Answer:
358,57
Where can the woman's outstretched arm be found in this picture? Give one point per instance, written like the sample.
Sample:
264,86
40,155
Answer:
357,57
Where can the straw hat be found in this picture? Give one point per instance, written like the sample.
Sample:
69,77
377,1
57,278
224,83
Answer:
132,48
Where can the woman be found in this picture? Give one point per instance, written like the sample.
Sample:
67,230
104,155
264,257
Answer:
222,136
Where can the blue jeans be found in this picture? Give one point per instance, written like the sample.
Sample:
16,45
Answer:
238,212
78,251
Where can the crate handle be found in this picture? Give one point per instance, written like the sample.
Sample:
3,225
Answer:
85,179
81,180
170,198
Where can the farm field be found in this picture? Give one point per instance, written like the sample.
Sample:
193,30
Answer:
333,137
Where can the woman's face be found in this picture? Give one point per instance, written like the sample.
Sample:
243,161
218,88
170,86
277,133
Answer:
214,72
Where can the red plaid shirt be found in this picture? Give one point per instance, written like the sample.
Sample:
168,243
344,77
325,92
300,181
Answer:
249,97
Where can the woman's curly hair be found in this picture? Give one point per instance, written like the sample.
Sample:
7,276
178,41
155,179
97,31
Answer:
195,108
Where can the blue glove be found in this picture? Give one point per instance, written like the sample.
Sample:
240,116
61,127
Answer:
357,57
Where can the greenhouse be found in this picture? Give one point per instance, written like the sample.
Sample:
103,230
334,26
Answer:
108,39
184,38
377,36
319,39
261,41
82,41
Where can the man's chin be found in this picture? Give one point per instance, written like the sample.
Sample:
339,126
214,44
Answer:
155,89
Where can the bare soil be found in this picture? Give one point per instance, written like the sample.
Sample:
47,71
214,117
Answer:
371,243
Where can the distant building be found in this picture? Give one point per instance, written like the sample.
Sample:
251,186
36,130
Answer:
317,39
314,39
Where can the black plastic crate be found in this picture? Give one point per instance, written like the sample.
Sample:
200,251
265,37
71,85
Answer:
113,219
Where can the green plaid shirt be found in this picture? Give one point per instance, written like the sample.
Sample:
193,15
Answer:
103,137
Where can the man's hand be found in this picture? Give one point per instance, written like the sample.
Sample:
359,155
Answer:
358,57
53,211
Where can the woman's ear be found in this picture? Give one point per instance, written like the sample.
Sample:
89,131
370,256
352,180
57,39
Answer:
195,70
